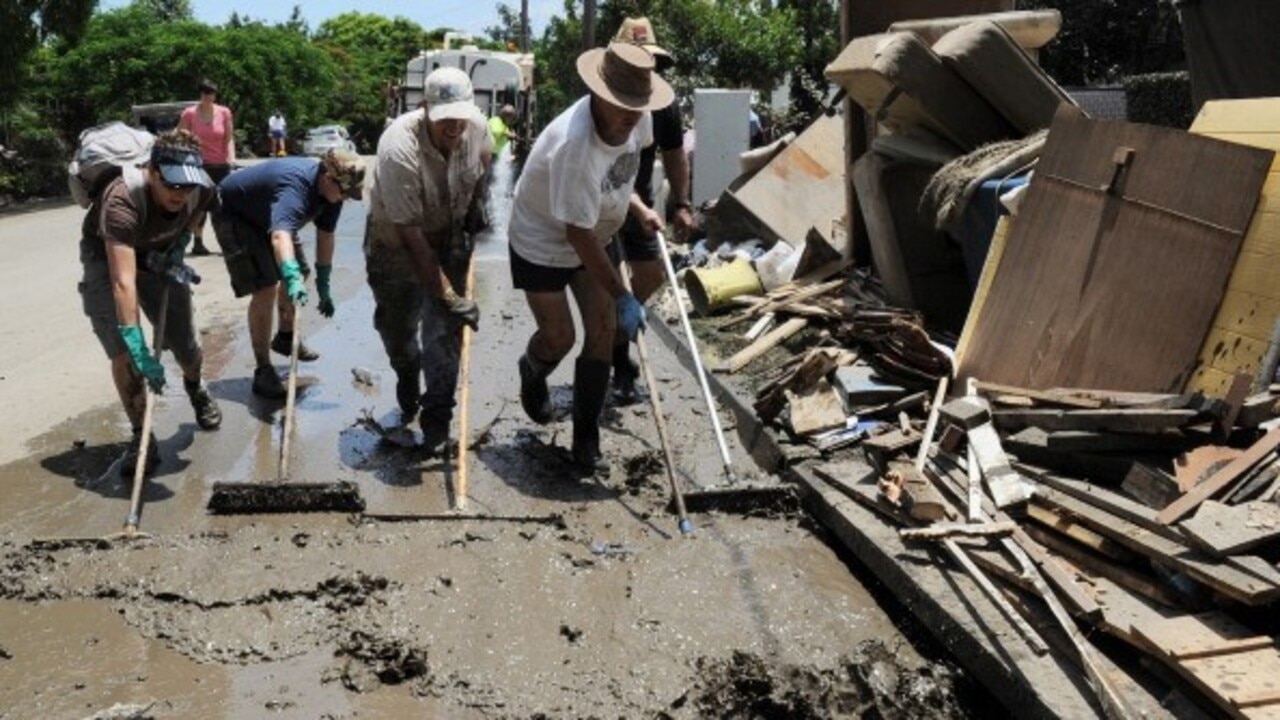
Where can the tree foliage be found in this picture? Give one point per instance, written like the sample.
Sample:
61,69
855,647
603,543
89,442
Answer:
128,58
1103,41
715,43
369,50
24,25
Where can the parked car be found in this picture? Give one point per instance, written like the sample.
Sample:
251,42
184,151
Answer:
322,139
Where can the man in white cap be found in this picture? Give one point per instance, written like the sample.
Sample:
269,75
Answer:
428,174
131,247
640,246
576,189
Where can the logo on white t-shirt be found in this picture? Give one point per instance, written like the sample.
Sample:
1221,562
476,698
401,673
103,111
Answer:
622,172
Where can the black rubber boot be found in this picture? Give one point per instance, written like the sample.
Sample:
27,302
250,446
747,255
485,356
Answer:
434,422
625,373
409,391
130,463
535,397
208,415
590,386
283,343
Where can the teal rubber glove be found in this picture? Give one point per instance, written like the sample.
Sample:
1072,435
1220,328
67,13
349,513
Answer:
293,283
143,361
630,316
323,273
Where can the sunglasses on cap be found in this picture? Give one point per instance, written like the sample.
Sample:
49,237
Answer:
176,188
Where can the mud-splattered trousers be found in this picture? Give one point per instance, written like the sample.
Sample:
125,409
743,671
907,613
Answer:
417,331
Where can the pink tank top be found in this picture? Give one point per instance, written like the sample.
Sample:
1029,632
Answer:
212,135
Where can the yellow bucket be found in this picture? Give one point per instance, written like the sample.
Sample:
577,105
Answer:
710,288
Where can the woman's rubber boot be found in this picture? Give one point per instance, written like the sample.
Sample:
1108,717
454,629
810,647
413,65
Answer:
590,387
535,397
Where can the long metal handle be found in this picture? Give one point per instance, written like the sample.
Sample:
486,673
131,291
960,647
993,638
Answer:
655,405
697,360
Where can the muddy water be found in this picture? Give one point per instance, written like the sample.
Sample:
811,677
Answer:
580,599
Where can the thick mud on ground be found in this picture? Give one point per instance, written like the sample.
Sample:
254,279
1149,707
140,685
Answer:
551,595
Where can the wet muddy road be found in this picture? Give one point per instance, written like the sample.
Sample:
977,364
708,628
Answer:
561,597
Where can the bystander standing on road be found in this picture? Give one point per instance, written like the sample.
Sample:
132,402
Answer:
424,192
277,129
573,195
263,209
131,240
640,245
214,126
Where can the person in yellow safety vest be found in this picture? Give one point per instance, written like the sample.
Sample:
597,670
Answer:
500,128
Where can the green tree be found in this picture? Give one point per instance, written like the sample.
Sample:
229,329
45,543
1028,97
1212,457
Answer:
168,10
24,26
125,59
715,43
368,50
1102,42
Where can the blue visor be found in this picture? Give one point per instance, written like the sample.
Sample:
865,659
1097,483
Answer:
180,167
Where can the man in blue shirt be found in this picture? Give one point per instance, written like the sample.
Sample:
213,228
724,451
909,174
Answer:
263,208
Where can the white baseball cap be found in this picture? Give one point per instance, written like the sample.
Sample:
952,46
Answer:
449,95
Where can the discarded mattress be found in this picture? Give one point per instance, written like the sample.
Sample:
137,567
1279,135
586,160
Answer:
988,58
906,87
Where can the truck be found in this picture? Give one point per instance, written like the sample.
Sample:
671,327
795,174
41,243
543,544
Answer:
499,78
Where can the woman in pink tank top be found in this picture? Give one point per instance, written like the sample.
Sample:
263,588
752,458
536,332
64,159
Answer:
213,125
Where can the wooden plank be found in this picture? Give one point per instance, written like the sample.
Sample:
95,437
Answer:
1079,561
771,340
1233,399
966,412
1045,397
1221,479
1127,399
1133,620
932,423
950,605
815,410
1246,116
951,480
1102,278
1079,533
1104,442
948,530
990,268
1117,420
1030,445
1233,529
1221,577
1151,486
1006,485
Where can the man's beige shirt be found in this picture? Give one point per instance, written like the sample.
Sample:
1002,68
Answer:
412,183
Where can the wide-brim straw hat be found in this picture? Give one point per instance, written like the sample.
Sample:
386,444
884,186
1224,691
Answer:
622,75
639,31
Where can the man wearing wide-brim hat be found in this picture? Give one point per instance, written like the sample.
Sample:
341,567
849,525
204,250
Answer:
576,189
641,247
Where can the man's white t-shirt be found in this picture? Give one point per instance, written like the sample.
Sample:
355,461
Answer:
572,177
276,123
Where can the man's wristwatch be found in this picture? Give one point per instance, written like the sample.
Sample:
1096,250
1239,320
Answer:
684,205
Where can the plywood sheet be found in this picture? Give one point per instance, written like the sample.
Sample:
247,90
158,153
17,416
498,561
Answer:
1116,290
803,187
1241,332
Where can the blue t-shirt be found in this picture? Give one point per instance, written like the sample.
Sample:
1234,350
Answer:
282,194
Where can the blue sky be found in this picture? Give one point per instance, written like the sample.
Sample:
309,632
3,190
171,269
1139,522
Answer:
467,15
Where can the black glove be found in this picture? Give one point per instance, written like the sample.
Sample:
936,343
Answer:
464,309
